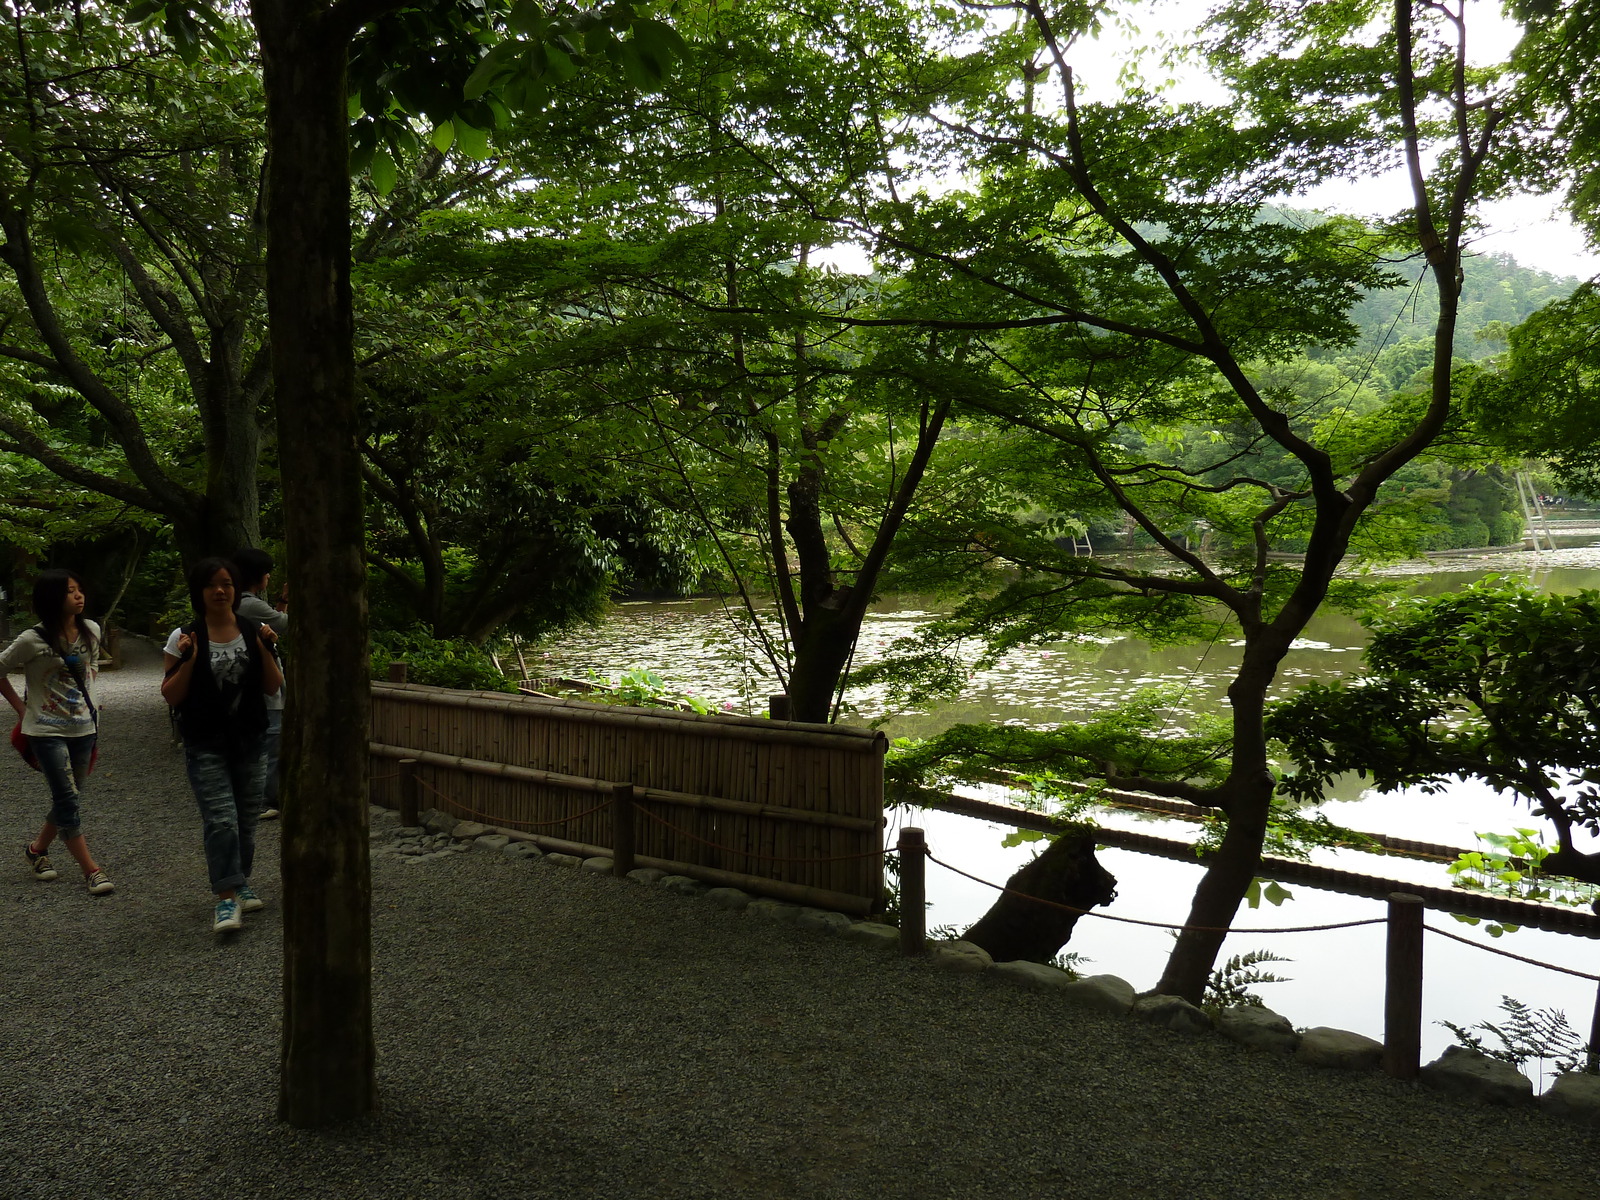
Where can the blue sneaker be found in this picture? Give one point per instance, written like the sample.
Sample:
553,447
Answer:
248,900
227,917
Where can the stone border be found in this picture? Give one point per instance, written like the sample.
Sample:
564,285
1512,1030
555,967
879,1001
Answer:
1458,1071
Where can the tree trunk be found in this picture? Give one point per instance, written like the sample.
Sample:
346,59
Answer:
1246,797
1067,873
328,1053
1229,873
821,652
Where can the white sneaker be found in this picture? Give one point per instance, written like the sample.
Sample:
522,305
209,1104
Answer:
227,917
248,900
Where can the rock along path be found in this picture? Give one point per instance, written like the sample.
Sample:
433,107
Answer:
546,1032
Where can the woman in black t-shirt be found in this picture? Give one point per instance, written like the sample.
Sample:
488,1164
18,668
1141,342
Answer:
220,669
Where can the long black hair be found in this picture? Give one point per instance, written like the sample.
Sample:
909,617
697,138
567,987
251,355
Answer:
200,578
50,601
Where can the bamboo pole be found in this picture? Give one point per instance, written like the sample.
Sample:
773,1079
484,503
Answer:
582,783
840,737
913,890
1402,999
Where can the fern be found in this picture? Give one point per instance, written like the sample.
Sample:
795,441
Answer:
1527,1034
1230,984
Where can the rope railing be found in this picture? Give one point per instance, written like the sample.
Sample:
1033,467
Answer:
1085,912
1532,962
1402,1041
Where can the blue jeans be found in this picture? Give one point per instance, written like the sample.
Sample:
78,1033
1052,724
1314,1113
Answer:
64,762
272,737
228,786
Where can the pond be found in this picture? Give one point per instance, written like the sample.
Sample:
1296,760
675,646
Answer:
1334,978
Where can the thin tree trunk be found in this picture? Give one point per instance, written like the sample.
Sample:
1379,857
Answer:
328,1055
1246,797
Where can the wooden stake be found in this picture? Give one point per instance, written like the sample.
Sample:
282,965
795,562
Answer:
408,793
622,829
1593,1065
1402,1001
913,890
397,672
778,708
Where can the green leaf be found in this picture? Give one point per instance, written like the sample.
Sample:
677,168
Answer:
1276,894
1018,836
184,32
527,18
382,172
471,141
489,67
444,137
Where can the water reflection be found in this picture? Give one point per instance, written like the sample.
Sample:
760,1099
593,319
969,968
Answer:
700,650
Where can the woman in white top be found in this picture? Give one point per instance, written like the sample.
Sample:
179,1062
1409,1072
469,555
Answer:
59,659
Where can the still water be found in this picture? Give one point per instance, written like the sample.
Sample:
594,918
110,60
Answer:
1334,978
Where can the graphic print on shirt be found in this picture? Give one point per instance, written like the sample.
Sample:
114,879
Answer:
62,706
229,661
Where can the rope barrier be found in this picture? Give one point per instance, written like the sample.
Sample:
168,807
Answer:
1532,962
1084,912
508,820
751,853
383,778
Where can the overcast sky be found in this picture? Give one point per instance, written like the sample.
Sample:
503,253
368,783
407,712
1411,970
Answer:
1532,229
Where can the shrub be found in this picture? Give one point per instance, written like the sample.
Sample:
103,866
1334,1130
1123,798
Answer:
441,662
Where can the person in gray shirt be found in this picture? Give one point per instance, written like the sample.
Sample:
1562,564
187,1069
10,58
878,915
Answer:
256,567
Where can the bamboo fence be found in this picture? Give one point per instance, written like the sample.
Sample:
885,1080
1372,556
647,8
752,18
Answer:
785,808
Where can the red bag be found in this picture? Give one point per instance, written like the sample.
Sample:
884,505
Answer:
23,746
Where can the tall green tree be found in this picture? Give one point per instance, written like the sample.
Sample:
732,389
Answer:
1145,290
131,363
1496,683
328,1056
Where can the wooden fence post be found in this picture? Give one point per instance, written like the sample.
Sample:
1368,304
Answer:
913,890
778,708
621,829
408,793
1593,1065
397,672
1402,999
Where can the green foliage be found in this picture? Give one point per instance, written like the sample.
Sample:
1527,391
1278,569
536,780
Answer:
1272,892
1230,984
1134,739
1071,962
1495,682
1526,1035
1512,865
641,687
1542,402
438,662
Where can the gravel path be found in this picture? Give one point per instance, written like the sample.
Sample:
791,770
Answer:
548,1032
